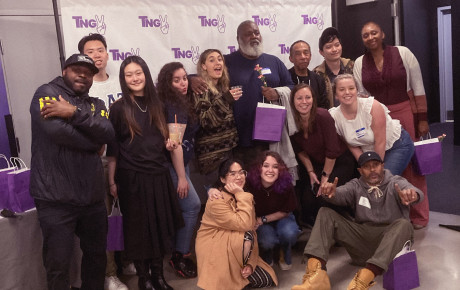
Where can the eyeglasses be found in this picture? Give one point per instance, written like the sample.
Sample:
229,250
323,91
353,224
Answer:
240,173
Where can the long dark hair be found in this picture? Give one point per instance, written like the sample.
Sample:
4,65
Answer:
223,83
169,95
312,117
284,181
224,168
154,104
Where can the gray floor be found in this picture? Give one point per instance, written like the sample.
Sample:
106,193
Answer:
438,254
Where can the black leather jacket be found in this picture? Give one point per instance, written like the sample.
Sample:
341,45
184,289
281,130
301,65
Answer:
65,166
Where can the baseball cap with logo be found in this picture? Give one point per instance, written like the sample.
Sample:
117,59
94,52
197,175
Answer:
81,59
367,156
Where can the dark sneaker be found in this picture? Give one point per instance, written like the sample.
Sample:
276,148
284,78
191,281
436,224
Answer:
183,267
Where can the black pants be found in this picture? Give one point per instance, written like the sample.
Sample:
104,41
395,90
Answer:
59,224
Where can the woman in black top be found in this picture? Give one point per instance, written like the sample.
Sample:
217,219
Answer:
138,175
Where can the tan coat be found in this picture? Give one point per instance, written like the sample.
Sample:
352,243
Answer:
219,242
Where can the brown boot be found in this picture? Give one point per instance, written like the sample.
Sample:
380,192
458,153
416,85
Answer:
362,280
315,278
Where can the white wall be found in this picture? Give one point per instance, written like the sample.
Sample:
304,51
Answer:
31,58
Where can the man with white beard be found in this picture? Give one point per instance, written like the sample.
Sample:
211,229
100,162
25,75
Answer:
241,68
241,64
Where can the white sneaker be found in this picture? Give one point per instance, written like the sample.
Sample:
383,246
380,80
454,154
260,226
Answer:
129,269
284,266
113,283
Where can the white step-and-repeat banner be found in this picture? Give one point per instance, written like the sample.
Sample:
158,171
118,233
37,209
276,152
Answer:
162,31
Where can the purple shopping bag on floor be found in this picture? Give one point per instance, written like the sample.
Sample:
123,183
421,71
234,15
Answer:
427,157
115,240
402,273
4,193
18,187
269,122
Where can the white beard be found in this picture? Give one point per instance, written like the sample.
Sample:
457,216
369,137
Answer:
254,51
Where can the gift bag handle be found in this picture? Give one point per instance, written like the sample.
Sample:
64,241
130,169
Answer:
428,136
6,159
18,162
116,208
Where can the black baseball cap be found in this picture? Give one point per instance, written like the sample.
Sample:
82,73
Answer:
81,59
328,35
367,156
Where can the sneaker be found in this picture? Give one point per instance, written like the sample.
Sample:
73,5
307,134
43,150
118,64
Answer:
113,283
129,269
284,266
183,267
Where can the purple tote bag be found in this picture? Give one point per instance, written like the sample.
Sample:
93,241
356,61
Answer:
115,240
18,187
4,193
269,122
402,273
427,157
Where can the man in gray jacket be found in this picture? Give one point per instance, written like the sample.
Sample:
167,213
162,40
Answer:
69,129
379,231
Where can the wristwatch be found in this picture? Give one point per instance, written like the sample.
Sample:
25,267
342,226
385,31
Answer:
325,174
264,219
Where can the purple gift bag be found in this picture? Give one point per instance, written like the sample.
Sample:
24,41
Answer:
4,193
402,273
18,187
115,240
427,157
269,122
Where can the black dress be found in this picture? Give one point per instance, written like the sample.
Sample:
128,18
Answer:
151,214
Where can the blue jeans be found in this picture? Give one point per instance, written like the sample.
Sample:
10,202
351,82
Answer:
398,157
190,207
284,232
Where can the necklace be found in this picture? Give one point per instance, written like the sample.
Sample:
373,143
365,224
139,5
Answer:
143,111
267,192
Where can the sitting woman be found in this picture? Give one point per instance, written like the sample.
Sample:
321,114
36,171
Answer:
226,246
365,125
271,184
320,149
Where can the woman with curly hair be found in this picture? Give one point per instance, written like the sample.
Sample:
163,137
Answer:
271,184
182,123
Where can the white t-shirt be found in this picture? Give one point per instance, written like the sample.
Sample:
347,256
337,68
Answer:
108,91
358,132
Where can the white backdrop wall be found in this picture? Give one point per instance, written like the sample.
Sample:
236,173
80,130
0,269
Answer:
162,31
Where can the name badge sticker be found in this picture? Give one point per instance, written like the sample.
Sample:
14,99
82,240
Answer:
360,133
266,71
364,202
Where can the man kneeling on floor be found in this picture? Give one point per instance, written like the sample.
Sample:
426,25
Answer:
381,227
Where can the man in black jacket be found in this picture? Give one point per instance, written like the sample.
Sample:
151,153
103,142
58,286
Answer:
69,129
300,56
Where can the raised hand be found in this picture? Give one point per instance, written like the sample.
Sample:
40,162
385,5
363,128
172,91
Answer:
273,23
164,25
221,24
100,28
195,54
328,189
407,196
233,188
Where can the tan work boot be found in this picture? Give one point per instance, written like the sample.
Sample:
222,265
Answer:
362,280
315,278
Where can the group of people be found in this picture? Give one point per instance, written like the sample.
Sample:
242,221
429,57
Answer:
353,137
